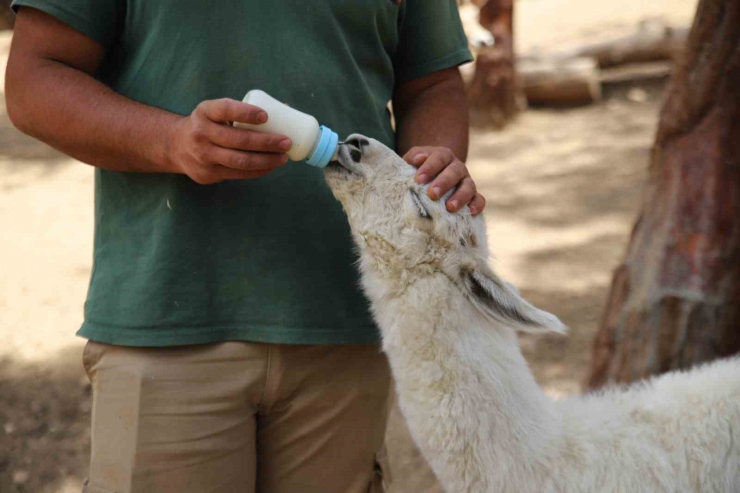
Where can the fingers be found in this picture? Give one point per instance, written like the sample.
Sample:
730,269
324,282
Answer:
463,195
452,173
245,161
230,110
477,205
246,140
208,126
430,161
215,164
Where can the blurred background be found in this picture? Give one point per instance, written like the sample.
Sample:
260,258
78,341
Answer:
565,102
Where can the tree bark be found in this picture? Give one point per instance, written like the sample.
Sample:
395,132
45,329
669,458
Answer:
675,301
492,94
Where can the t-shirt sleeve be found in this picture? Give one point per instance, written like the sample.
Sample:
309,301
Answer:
431,39
98,19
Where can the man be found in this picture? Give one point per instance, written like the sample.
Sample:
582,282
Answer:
230,349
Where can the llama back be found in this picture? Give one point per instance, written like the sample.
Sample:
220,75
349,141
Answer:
674,433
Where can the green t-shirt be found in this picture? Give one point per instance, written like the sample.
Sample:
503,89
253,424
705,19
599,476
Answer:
268,259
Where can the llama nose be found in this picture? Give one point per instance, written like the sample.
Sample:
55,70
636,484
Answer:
357,142
349,149
357,147
346,156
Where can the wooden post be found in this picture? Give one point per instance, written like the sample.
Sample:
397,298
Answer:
7,17
492,94
675,301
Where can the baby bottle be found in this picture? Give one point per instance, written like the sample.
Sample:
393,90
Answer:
316,144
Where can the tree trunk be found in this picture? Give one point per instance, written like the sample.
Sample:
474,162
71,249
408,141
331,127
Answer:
675,301
492,94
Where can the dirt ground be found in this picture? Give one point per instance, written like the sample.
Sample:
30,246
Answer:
562,187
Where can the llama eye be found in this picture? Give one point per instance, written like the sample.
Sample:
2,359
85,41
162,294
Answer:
421,209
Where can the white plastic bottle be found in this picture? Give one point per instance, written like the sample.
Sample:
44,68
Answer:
316,144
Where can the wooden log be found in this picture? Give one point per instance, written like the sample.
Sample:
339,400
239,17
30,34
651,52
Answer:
642,73
560,83
652,41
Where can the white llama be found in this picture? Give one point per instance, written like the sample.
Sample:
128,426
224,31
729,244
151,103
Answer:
472,405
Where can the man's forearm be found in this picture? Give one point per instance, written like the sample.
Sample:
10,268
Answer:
52,95
432,134
434,115
73,112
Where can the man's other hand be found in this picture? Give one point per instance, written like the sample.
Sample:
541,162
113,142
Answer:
445,171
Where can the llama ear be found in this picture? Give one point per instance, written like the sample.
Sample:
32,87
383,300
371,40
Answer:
501,302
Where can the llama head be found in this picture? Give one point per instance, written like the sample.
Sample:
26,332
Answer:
403,235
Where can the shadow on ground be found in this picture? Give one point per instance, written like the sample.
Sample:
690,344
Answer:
555,170
44,424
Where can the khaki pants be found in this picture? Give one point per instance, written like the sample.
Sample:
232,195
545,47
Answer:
236,417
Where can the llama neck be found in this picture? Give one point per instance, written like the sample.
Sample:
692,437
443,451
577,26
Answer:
470,400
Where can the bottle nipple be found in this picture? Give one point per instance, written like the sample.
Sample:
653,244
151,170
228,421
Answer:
325,148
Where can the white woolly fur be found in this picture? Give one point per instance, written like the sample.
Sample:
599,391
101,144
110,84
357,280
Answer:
448,325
